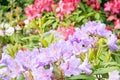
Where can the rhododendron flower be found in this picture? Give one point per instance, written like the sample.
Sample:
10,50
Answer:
94,4
85,67
3,77
57,51
66,7
112,42
63,7
113,10
68,67
14,67
24,57
66,31
96,28
81,42
108,6
43,5
42,74
32,12
111,17
113,6
62,54
117,24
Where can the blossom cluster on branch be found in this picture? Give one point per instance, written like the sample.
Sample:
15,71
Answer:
62,55
62,7
112,9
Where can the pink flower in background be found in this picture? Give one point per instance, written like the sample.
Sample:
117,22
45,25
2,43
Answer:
66,31
34,10
108,6
44,5
31,12
66,7
39,6
94,4
113,7
117,24
74,2
112,17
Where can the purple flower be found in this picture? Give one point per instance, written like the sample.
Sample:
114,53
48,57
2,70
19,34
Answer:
101,30
78,48
112,42
66,50
43,58
14,67
60,49
57,35
25,58
3,77
71,66
85,66
90,27
42,74
96,28
114,75
81,42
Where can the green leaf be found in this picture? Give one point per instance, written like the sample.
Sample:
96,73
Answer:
97,16
111,64
85,20
85,77
91,54
44,43
105,70
50,38
48,23
54,25
80,18
102,41
90,14
89,9
82,6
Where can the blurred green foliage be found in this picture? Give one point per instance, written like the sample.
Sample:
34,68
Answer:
12,9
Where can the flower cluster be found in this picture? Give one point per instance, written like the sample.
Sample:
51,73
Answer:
100,29
112,9
36,60
62,55
113,6
63,7
66,7
31,12
94,4
34,10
